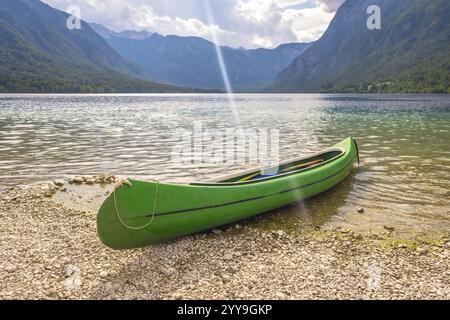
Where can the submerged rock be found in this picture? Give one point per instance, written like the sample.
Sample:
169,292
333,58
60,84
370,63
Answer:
76,180
58,183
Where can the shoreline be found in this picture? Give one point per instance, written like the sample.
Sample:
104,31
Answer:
50,251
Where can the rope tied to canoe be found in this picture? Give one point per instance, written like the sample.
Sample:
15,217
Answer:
119,183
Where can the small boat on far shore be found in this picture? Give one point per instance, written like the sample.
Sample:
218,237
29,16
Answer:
141,213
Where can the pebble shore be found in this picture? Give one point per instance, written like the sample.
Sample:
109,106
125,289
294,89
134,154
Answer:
49,251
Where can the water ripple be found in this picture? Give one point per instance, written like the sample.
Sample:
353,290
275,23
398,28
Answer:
405,169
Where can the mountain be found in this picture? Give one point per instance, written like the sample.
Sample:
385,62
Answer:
127,34
409,54
193,62
38,53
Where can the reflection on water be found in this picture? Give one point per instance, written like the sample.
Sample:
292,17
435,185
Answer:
403,179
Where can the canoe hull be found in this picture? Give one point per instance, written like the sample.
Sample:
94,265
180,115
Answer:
129,218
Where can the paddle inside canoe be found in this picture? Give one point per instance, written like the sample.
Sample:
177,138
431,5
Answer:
260,174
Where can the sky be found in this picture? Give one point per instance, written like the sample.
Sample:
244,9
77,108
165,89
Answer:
235,23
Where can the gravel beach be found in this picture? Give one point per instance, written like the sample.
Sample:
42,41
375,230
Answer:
50,251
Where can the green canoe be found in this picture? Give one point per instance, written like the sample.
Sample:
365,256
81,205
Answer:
141,213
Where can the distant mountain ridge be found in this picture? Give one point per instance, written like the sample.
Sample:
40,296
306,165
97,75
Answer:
38,53
409,54
193,62
127,34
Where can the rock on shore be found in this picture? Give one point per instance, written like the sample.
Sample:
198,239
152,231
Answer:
50,252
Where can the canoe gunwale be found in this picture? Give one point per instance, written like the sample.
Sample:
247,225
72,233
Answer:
217,181
247,199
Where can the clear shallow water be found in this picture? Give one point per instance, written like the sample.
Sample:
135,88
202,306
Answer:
403,179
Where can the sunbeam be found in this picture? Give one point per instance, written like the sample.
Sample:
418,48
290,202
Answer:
222,65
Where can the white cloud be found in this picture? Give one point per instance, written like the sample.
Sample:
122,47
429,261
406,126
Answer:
138,15
248,23
279,21
308,24
330,5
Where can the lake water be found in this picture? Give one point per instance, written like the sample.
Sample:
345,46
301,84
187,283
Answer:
403,179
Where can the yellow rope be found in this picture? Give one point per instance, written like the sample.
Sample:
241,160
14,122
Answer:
250,176
121,182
